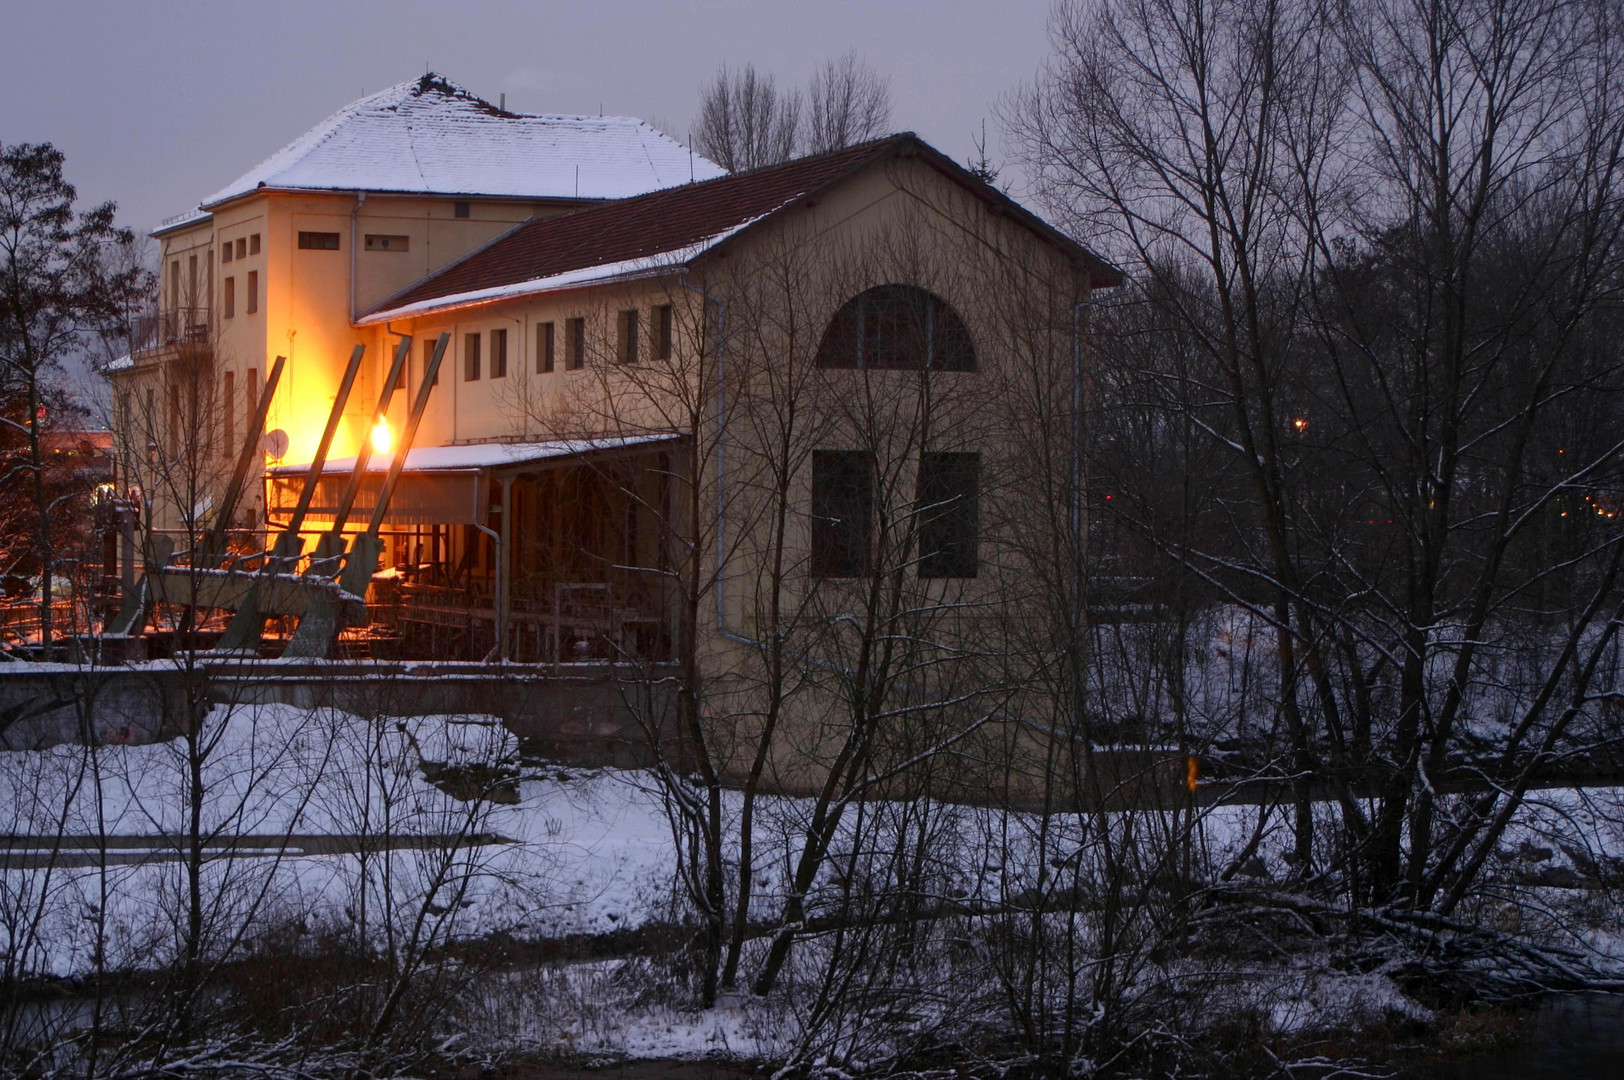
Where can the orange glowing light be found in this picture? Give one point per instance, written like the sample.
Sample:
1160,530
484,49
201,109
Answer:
1299,423
1192,773
383,440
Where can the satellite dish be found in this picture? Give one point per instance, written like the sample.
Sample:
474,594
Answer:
275,442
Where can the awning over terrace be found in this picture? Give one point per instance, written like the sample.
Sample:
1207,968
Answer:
440,485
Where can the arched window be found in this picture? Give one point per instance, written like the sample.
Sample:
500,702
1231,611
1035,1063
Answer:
899,328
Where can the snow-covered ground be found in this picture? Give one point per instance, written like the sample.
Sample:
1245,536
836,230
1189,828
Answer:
320,818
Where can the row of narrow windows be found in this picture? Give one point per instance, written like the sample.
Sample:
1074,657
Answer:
485,353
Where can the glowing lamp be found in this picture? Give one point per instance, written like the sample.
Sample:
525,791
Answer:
382,439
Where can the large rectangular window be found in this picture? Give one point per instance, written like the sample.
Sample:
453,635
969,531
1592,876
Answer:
626,337
470,358
499,354
949,515
318,241
545,346
842,512
253,292
228,304
575,343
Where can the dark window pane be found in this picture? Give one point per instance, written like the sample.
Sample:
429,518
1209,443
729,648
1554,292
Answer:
949,494
575,343
544,348
839,346
499,354
626,347
428,358
896,327
842,512
470,357
318,241
662,322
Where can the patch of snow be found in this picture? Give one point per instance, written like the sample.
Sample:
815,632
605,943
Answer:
476,456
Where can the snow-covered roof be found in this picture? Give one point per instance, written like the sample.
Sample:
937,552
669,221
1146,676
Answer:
430,136
477,456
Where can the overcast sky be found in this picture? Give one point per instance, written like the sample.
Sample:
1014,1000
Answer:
157,104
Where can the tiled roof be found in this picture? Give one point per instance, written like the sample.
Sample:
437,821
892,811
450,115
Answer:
429,136
665,229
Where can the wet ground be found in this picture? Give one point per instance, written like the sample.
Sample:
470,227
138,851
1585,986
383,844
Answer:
1579,1037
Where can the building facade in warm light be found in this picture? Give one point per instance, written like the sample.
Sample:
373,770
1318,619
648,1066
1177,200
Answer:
384,192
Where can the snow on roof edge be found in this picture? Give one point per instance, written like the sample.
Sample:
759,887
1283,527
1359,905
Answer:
469,457
657,265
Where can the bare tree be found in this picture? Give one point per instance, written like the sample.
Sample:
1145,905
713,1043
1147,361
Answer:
847,103
1376,246
745,121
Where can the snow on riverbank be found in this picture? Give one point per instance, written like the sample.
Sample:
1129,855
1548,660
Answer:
362,825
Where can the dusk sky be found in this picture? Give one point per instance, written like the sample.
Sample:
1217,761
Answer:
157,104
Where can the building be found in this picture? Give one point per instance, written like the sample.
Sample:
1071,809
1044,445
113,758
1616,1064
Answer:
278,262
825,411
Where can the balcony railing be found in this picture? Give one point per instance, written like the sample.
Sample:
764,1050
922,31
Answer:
185,324
171,327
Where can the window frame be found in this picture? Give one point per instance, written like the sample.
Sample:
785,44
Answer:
470,356
313,240
870,332
499,353
663,331
627,347
546,347
575,343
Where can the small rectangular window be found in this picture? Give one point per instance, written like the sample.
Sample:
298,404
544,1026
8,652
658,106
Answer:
229,303
545,345
499,354
470,358
225,251
949,525
253,243
842,512
242,247
575,343
428,355
662,332
626,337
459,209
379,242
318,241
252,299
